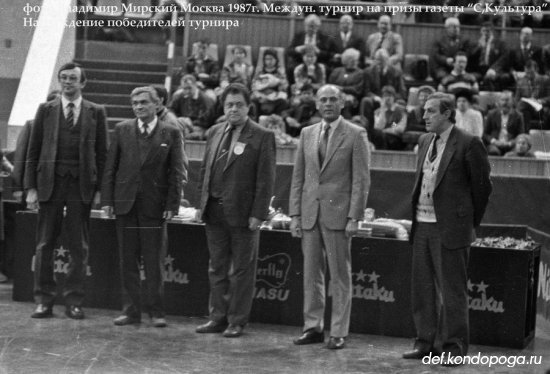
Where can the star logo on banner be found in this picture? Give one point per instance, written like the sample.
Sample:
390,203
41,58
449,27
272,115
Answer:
361,275
61,251
470,286
168,260
482,287
373,277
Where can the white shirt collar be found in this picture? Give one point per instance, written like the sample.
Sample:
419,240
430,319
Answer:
77,102
150,126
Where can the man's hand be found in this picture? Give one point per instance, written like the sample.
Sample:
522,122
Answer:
97,198
296,227
168,214
108,210
32,199
351,228
254,223
198,215
18,195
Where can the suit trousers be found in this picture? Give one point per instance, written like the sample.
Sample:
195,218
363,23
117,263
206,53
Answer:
439,293
142,237
232,267
66,193
316,243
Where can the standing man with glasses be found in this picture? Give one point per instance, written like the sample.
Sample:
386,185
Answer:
328,195
236,184
65,161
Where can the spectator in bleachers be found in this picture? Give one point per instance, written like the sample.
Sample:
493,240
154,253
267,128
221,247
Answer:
312,37
350,80
191,106
467,118
458,79
380,74
502,126
302,111
204,68
269,86
276,124
522,148
504,70
533,98
237,71
390,121
446,48
416,125
487,51
309,71
347,39
163,113
386,39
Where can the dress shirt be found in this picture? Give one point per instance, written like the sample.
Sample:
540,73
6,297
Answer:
76,109
150,126
332,127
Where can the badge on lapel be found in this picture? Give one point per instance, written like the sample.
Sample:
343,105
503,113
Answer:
239,148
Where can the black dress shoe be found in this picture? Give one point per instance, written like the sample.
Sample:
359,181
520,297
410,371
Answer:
336,343
74,312
416,354
233,331
310,337
42,311
124,320
211,327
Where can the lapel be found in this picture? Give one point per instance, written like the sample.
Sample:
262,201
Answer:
499,122
216,139
53,117
312,144
131,136
446,157
335,140
156,140
245,135
86,120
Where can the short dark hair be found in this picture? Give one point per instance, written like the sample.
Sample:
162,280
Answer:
239,48
387,89
236,89
446,102
465,93
72,65
271,52
461,53
162,93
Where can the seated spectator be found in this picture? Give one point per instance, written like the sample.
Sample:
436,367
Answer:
445,49
522,148
467,118
204,68
458,78
390,121
237,71
533,98
347,39
350,79
302,111
380,74
502,126
504,71
163,113
386,39
191,106
277,125
416,125
312,37
269,86
310,72
487,51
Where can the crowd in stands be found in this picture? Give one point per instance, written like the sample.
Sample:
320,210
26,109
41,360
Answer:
371,72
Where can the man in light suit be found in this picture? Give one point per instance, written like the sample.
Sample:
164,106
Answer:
65,160
449,198
236,184
145,173
328,195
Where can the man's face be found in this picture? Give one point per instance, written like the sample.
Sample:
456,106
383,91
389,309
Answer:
239,55
522,146
485,32
201,50
505,102
311,27
388,100
235,109
329,103
422,96
384,24
530,72
144,107
435,120
453,30
525,36
346,24
188,89
310,58
460,63
69,80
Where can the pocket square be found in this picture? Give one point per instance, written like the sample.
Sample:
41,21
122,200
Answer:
164,145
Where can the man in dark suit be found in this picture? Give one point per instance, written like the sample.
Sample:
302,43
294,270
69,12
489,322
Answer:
449,198
445,49
236,184
502,126
65,160
347,39
145,173
330,185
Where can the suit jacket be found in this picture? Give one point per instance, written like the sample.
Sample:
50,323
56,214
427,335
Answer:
42,152
248,177
493,124
374,81
515,59
444,48
159,177
462,187
392,43
336,190
476,61
355,41
324,43
20,156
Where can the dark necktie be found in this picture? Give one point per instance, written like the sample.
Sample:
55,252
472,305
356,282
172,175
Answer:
144,128
433,153
223,149
323,143
70,115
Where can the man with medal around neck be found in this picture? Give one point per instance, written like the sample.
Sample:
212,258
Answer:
236,183
449,198
328,195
